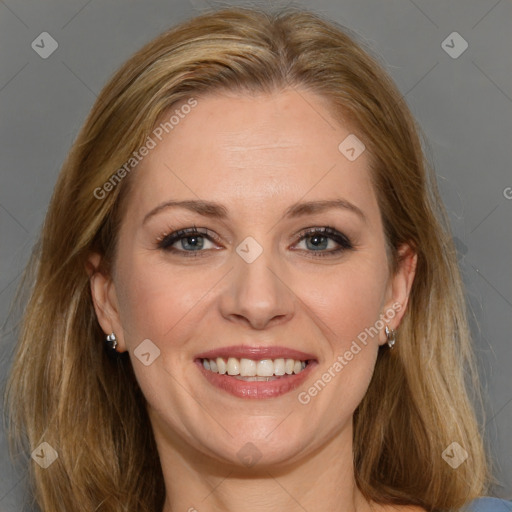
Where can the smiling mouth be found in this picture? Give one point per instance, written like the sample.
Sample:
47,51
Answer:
251,370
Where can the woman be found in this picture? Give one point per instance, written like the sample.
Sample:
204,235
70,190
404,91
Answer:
247,295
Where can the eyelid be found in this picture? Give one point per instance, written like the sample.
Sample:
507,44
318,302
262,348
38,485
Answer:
319,229
344,242
166,241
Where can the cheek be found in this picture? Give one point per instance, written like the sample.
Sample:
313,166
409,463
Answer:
348,301
156,302
163,306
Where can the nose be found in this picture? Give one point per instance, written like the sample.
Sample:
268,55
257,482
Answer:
256,294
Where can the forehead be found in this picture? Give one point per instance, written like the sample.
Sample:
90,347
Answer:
250,150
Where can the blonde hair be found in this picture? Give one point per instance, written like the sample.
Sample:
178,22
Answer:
64,389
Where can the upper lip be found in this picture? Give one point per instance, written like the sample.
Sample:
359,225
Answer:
256,353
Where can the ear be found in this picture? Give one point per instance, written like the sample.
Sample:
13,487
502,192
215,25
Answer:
398,289
104,298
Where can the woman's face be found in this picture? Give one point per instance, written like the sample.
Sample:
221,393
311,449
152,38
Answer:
289,264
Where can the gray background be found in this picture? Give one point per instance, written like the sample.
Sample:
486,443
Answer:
464,106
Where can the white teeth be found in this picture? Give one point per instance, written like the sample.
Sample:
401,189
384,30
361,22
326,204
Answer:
221,365
248,369
233,366
265,368
258,379
279,367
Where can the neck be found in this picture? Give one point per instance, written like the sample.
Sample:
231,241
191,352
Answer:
324,480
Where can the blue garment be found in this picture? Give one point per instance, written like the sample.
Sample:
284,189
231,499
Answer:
489,505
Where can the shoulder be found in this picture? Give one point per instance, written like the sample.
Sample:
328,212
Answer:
488,505
484,504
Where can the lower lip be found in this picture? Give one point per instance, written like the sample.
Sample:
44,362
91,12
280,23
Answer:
255,389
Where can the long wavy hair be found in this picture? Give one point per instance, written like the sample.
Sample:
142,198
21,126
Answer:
64,389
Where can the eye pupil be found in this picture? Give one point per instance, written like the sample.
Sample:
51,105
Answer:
194,241
319,241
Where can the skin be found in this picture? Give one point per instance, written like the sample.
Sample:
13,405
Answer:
256,155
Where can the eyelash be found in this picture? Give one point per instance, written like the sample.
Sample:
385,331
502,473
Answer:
166,241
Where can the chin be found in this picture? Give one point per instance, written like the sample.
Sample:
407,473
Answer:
252,450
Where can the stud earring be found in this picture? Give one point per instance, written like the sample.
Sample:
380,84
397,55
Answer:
391,336
111,342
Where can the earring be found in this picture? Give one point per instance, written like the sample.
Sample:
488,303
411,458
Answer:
111,342
390,335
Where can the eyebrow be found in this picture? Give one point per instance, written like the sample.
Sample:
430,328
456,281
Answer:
218,211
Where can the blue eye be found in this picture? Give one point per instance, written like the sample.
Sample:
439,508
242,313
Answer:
189,240
319,242
325,241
